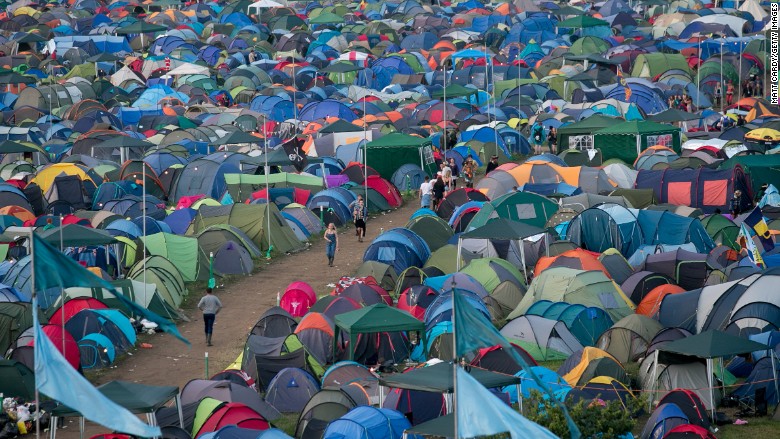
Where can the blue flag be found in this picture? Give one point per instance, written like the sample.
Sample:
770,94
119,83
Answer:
474,331
55,270
57,379
475,400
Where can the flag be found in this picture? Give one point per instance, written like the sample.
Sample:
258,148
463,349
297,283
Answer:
57,379
756,220
54,270
475,398
622,80
473,331
294,150
753,253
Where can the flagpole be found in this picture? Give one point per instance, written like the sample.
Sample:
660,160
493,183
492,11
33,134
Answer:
35,332
455,363
267,186
62,291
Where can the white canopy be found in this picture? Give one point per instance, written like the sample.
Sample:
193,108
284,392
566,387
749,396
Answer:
262,4
189,69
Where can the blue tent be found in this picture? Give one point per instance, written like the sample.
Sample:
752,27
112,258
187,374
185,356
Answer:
547,376
368,423
401,248
664,418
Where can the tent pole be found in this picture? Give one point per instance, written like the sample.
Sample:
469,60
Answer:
457,254
35,330
143,215
522,257
723,84
774,370
365,154
651,400
444,107
712,391
62,292
455,365
519,389
267,187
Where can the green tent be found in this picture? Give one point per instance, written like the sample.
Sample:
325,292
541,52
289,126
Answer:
582,21
252,220
761,168
525,207
384,274
15,318
438,378
327,18
628,339
241,186
454,91
491,272
145,295
74,235
374,319
387,153
162,273
432,229
445,259
650,65
182,251
722,230
16,380
587,288
625,141
585,127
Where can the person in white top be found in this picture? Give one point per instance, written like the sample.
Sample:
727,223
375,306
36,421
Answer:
426,191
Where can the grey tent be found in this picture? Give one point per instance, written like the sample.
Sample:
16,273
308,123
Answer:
627,340
544,339
325,406
233,258
275,322
227,391
291,389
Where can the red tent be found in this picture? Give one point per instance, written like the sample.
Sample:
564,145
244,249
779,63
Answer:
72,307
57,335
298,297
233,413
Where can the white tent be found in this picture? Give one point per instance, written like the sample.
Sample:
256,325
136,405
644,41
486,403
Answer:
263,4
188,69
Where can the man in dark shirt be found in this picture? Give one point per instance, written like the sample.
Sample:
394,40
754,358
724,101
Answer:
492,164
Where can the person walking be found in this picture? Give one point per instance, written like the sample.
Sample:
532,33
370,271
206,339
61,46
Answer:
210,305
455,170
552,140
359,217
735,204
426,190
492,164
333,243
537,136
730,93
468,171
438,191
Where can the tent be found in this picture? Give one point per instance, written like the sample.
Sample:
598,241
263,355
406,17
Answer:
708,345
703,188
588,288
626,141
375,319
387,153
16,380
368,422
585,323
544,339
629,337
290,390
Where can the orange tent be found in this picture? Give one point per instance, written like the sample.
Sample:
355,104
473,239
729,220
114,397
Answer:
576,258
652,301
18,212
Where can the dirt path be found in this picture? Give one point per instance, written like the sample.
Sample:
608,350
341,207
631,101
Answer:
171,362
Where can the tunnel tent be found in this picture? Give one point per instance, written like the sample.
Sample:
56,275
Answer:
183,251
250,219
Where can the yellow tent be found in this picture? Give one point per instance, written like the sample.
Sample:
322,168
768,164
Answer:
45,177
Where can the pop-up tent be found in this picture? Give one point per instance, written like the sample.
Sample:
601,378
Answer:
378,318
625,141
389,152
709,345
